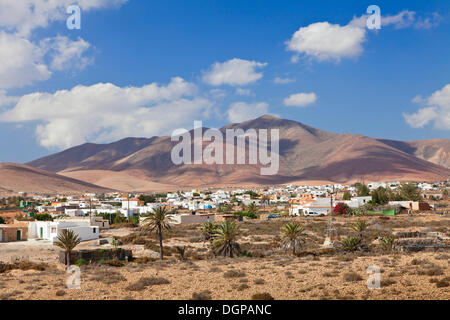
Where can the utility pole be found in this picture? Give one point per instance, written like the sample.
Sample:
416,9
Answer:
331,200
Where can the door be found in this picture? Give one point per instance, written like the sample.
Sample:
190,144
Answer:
41,233
18,234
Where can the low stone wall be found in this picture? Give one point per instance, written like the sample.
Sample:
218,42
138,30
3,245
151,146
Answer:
96,255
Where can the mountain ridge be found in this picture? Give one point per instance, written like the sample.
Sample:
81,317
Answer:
306,154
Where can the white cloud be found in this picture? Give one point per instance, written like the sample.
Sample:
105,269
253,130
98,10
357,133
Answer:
404,19
241,111
104,112
67,54
437,110
300,99
324,41
244,92
21,62
217,93
234,72
279,80
23,16
26,60
6,100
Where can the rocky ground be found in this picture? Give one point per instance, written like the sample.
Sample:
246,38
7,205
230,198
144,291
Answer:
333,275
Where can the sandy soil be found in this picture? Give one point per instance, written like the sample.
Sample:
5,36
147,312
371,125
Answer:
420,275
287,278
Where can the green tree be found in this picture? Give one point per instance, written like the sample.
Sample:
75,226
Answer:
252,209
409,192
362,190
208,230
67,240
2,221
359,227
225,239
347,195
158,220
292,232
380,196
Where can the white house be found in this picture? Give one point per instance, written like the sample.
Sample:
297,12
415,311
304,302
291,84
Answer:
49,230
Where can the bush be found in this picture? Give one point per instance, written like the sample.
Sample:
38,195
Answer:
442,283
204,295
108,277
341,208
352,277
22,265
234,274
114,263
351,243
388,244
80,262
60,293
43,217
262,296
143,283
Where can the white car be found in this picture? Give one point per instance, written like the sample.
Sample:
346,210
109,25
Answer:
315,214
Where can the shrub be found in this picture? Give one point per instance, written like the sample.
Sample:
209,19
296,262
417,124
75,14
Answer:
143,283
341,208
242,287
262,296
108,277
351,243
204,295
22,265
442,283
352,277
388,244
80,262
60,293
114,263
259,281
234,274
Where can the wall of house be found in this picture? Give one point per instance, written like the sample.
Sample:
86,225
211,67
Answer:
9,233
188,219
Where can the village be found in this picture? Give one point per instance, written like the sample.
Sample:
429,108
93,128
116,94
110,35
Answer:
40,217
279,225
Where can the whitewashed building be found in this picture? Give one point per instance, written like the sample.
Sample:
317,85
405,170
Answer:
49,230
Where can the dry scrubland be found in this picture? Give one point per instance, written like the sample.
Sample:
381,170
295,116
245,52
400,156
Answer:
268,270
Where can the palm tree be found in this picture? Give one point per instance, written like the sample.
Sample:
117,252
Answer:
67,240
208,230
158,220
252,208
359,227
292,232
224,242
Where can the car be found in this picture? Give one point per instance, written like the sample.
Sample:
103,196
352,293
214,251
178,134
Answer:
273,216
315,214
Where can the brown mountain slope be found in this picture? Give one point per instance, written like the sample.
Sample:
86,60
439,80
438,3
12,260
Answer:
435,150
306,153
21,178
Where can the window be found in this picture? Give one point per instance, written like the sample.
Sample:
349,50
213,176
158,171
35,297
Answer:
94,230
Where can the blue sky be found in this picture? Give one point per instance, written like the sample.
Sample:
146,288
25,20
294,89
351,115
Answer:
365,87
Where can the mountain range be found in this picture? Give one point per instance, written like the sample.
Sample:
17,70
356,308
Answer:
307,155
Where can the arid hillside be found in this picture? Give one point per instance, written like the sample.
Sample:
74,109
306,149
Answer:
22,178
306,153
